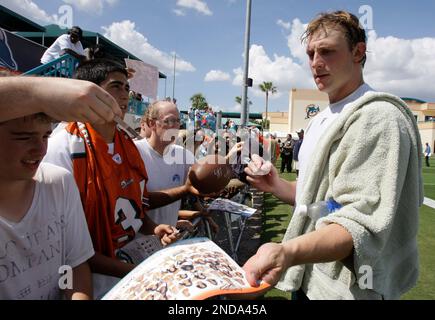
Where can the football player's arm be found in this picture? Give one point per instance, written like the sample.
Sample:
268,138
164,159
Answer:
166,233
188,214
102,264
73,53
162,198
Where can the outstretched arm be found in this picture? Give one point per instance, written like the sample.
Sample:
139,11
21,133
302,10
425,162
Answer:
59,98
327,244
162,198
270,182
74,54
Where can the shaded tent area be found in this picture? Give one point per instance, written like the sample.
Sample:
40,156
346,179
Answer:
90,39
236,115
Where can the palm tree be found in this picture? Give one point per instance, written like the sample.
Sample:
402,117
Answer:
238,100
198,101
267,87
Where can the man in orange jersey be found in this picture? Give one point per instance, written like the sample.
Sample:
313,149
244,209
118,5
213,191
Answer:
111,176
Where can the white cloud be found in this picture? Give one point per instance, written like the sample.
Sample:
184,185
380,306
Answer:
91,5
197,5
126,36
234,108
179,12
285,25
30,10
402,67
297,49
112,2
282,71
216,75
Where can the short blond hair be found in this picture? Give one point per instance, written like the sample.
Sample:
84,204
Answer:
152,111
353,31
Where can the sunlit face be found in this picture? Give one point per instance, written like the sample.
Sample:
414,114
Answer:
23,144
334,66
117,85
167,124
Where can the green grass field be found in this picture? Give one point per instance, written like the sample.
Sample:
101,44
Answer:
277,216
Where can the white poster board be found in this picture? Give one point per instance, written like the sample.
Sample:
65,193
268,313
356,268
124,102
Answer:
145,79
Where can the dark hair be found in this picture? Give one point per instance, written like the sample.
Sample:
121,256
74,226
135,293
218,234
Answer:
97,70
99,51
77,30
352,29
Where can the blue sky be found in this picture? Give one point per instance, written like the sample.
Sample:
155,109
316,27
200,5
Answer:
208,35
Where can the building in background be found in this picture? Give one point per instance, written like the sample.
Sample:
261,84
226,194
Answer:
278,123
424,113
304,104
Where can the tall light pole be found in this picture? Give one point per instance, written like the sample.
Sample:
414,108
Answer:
244,116
173,83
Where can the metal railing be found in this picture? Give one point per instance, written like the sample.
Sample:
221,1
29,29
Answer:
62,67
234,224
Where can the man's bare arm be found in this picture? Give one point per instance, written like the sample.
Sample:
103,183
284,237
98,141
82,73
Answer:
162,198
271,182
73,53
331,243
61,99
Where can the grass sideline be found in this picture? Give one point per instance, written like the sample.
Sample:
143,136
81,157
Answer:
277,215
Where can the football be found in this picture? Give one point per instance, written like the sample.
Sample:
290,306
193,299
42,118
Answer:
211,174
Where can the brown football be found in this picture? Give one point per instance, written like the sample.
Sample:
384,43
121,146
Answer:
211,174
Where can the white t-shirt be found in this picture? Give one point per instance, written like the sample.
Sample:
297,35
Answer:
61,43
53,233
59,149
165,172
62,144
161,175
318,127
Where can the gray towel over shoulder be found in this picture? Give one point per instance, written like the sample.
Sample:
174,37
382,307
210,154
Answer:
369,162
